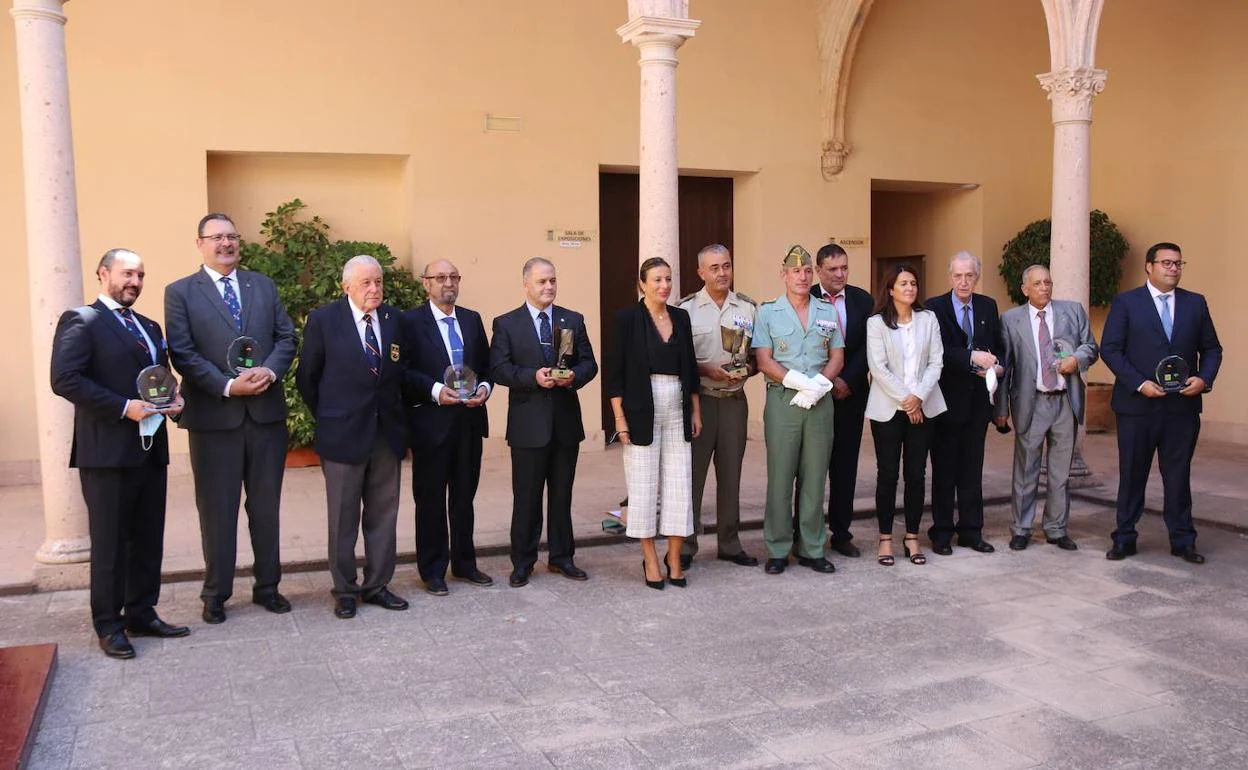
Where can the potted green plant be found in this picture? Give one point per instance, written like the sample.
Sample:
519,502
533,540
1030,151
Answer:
306,266
1107,247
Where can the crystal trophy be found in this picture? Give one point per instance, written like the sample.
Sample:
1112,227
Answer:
1062,349
1172,373
243,354
462,380
157,386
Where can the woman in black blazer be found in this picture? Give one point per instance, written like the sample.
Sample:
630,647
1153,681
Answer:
652,381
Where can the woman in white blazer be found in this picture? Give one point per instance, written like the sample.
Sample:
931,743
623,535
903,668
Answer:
904,354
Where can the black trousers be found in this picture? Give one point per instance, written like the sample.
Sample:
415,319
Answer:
251,457
958,476
892,439
551,468
126,518
847,422
444,486
1172,437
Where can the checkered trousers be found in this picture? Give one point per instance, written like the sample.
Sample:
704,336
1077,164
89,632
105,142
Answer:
661,471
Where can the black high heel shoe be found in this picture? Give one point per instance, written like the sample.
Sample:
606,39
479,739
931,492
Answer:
679,582
917,557
655,584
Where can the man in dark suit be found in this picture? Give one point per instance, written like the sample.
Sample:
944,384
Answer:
970,331
445,430
849,390
1146,325
351,376
236,422
544,428
120,449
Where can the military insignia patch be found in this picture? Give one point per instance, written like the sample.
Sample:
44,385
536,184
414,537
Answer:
394,352
782,346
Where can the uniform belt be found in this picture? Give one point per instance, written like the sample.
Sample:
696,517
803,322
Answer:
712,393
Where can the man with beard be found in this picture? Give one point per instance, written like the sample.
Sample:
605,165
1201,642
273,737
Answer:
121,450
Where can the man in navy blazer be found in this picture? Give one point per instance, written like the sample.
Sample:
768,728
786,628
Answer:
446,428
97,354
1145,325
350,375
544,427
971,333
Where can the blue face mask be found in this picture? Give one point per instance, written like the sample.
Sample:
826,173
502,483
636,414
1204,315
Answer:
147,429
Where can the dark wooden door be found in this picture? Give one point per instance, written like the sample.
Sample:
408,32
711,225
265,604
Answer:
705,218
882,265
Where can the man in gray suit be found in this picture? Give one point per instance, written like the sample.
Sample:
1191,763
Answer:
236,423
1048,347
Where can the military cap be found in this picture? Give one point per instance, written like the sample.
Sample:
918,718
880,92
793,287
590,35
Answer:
797,257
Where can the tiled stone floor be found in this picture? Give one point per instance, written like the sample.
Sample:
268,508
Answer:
1042,659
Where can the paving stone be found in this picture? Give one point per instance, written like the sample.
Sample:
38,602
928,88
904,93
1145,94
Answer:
1180,736
274,755
297,683
616,754
836,724
565,724
950,747
302,719
1062,741
461,697
155,739
703,700
334,750
948,703
715,745
466,740
1074,692
1083,650
53,749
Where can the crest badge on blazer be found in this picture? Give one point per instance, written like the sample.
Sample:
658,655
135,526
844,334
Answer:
394,351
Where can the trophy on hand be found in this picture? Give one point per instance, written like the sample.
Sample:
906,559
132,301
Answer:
462,380
242,355
736,342
1172,373
1062,349
157,386
564,339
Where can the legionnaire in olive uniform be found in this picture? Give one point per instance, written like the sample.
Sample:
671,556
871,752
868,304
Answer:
800,349
717,313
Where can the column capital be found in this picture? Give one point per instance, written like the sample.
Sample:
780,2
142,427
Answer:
46,10
1071,91
641,30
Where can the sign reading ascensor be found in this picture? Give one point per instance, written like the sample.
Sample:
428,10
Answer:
860,242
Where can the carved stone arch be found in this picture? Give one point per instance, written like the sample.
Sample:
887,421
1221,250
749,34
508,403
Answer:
840,25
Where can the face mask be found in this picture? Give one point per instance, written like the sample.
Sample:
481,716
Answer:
147,429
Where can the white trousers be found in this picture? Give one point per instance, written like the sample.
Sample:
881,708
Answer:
666,465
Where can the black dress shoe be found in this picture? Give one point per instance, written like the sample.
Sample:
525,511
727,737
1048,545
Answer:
437,586
1120,551
344,607
476,577
1019,542
214,611
686,561
386,600
818,565
275,603
742,559
568,570
977,545
156,627
519,577
1063,542
116,645
942,549
1188,554
775,566
845,548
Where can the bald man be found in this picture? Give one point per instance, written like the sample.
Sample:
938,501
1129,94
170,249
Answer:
446,423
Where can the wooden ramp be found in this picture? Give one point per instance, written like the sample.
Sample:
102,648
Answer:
25,678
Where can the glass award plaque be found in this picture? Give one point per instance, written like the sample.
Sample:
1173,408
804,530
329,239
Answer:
462,380
1172,373
243,354
563,354
157,386
1062,349
735,342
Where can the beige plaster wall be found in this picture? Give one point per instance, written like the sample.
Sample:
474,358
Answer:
941,92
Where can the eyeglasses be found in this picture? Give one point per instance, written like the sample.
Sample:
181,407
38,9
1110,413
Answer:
1171,264
231,237
443,278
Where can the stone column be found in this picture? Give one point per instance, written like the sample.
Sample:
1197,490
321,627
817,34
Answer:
55,261
658,28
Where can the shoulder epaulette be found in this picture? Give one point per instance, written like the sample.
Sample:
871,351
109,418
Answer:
746,298
823,299
768,302
686,298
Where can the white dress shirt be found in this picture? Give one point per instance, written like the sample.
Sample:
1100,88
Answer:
909,354
1034,313
1155,292
438,315
358,315
232,278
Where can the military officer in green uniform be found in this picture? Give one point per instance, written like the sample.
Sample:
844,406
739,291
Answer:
800,350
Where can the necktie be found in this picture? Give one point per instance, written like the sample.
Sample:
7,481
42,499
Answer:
371,353
839,301
548,346
127,318
231,302
1048,375
1167,320
966,326
457,344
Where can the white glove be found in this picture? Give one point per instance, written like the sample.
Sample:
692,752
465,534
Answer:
990,379
822,386
804,399
795,380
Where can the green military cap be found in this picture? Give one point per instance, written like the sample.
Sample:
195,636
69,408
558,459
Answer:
797,257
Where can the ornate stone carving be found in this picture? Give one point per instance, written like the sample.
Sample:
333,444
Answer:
840,24
1071,92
